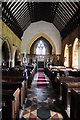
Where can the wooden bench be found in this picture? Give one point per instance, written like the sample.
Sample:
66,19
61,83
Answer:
18,79
14,83
10,108
31,76
75,104
67,79
12,72
66,90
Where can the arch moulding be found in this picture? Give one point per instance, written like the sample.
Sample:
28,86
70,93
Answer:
35,38
8,44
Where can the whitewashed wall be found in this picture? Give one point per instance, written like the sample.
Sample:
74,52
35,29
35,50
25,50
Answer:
42,27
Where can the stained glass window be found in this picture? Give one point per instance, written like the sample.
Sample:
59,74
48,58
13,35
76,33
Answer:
40,49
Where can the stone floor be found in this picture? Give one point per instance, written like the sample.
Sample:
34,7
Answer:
43,103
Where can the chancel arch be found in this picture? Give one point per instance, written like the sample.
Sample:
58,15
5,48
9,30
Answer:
38,36
41,47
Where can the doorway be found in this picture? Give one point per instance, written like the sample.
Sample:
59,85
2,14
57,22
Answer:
40,64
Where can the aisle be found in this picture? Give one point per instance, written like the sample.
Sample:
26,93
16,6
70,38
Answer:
40,103
41,82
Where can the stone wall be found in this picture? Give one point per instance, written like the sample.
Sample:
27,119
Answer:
12,40
70,40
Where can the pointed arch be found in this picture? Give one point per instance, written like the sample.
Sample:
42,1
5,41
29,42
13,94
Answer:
9,47
8,44
6,53
75,54
66,56
35,38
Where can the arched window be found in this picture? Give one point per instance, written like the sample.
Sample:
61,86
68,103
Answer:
66,56
40,49
75,54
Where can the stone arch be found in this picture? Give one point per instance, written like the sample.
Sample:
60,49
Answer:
8,44
6,52
66,56
36,37
75,54
46,44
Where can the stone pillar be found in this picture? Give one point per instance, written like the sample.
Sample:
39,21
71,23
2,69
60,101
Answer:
28,59
23,59
0,53
9,62
79,55
78,47
12,63
21,56
13,57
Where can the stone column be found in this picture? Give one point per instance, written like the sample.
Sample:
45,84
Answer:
23,59
13,57
12,63
79,55
9,63
0,53
78,47
21,56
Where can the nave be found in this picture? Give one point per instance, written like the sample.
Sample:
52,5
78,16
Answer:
43,101
41,93
39,35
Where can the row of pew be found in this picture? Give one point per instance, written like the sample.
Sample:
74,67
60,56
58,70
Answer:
14,90
52,75
75,104
31,76
12,71
68,89
13,94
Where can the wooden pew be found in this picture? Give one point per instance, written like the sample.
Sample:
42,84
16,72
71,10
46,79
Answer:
12,72
30,76
67,79
74,73
66,90
75,104
10,109
51,74
22,87
46,70
14,83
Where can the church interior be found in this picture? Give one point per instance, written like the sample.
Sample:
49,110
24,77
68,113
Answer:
39,60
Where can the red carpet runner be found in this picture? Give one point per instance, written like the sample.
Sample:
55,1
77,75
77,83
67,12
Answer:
41,83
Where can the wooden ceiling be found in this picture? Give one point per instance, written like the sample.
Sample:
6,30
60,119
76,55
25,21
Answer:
19,15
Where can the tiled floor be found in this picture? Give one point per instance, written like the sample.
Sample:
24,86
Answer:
43,103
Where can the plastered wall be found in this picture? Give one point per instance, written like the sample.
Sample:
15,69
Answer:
41,27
